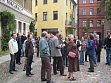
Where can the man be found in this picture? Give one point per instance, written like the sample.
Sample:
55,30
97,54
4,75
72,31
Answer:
19,42
29,52
99,47
13,48
56,54
91,52
107,45
44,54
23,38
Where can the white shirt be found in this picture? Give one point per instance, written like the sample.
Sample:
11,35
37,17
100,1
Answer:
13,46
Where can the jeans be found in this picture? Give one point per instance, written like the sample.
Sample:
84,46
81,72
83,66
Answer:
108,55
82,54
91,62
95,57
12,62
28,65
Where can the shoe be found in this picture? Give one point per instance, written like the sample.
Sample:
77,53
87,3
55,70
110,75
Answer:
89,68
63,75
91,71
42,80
23,69
11,72
31,74
15,70
55,73
106,63
28,75
72,79
19,63
95,65
82,64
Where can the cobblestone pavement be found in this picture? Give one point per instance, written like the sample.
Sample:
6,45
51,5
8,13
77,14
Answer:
102,73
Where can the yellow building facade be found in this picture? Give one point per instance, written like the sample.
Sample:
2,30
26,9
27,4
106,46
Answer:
53,15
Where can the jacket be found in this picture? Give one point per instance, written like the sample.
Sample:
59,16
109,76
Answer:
55,47
44,48
13,46
107,42
29,51
90,48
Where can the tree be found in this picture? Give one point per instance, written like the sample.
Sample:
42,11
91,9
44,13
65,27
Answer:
8,26
32,27
107,6
87,27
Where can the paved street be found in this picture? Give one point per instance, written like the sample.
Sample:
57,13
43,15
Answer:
102,74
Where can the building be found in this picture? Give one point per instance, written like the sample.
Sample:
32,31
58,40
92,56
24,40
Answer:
107,23
22,9
54,15
90,17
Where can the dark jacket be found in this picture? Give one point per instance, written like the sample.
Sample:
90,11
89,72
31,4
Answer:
107,42
29,51
19,42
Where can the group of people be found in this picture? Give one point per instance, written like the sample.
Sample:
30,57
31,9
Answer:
69,52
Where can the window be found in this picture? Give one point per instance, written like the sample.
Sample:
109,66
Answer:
83,23
66,2
55,15
91,1
91,23
54,1
91,11
44,1
84,12
98,11
83,1
98,23
35,16
24,27
36,2
44,16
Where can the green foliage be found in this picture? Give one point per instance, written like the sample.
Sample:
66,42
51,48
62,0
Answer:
107,6
87,27
8,26
3,53
32,27
108,10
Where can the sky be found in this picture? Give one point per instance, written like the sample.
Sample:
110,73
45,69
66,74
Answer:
75,1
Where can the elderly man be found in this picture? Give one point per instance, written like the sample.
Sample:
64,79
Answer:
44,54
56,54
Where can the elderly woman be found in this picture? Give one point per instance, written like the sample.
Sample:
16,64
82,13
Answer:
73,61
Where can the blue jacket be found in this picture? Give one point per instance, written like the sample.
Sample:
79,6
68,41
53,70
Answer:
44,48
90,48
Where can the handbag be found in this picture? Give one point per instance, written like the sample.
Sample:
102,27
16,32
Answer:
72,54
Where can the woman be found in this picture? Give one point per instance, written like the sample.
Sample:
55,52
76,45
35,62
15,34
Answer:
82,50
73,62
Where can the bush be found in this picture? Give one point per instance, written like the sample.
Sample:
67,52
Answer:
8,26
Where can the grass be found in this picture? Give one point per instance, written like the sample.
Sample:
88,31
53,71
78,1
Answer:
3,53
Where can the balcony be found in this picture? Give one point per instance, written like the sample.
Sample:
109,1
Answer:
70,24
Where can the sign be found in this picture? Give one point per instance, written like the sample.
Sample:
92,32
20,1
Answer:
12,4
